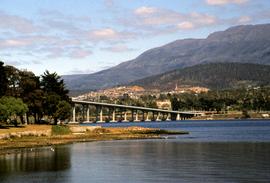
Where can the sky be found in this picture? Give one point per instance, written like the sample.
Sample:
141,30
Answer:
86,36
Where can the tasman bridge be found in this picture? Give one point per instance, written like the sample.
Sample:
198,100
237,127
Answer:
106,112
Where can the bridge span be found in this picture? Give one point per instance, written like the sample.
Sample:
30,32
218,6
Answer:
106,112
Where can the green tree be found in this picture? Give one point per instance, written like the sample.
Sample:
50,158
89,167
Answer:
54,92
11,107
63,111
175,104
3,80
35,102
52,83
13,77
50,105
31,94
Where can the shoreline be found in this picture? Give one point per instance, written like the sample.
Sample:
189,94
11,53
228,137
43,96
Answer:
78,134
32,136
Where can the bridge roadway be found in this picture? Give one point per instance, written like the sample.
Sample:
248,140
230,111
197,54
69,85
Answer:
177,115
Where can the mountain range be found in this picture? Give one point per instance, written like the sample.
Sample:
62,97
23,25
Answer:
242,44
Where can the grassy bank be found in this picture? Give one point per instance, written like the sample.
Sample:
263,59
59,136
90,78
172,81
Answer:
46,135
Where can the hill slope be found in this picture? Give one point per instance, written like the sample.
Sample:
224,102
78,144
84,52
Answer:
246,44
213,75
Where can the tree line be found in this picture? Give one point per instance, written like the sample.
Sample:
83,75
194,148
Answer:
245,99
24,95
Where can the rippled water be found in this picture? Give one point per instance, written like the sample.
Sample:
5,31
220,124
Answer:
211,131
216,151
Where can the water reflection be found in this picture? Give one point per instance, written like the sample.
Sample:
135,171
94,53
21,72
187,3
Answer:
149,161
29,162
157,161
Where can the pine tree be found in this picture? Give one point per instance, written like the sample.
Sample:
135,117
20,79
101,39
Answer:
55,92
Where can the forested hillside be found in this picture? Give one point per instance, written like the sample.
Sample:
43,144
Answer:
213,76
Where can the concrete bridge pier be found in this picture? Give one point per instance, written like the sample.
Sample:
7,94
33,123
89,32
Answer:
137,116
168,117
158,117
88,114
100,114
113,116
83,114
147,116
74,115
125,117
178,117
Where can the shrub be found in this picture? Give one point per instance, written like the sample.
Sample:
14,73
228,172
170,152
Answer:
60,130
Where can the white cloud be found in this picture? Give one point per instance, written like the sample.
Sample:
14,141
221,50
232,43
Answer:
109,34
185,25
53,52
14,63
145,10
68,52
48,46
30,41
118,48
244,19
105,33
80,71
155,21
80,53
21,62
201,19
57,21
9,43
224,2
64,38
16,23
155,16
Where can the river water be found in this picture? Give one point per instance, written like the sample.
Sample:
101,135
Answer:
214,151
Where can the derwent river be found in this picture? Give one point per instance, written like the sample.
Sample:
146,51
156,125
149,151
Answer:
214,151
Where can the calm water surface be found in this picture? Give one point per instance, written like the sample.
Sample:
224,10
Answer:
215,151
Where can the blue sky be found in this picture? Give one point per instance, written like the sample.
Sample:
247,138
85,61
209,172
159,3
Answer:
85,36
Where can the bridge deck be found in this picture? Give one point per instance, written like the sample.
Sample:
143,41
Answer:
132,107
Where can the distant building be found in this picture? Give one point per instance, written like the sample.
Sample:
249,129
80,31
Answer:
189,89
164,104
